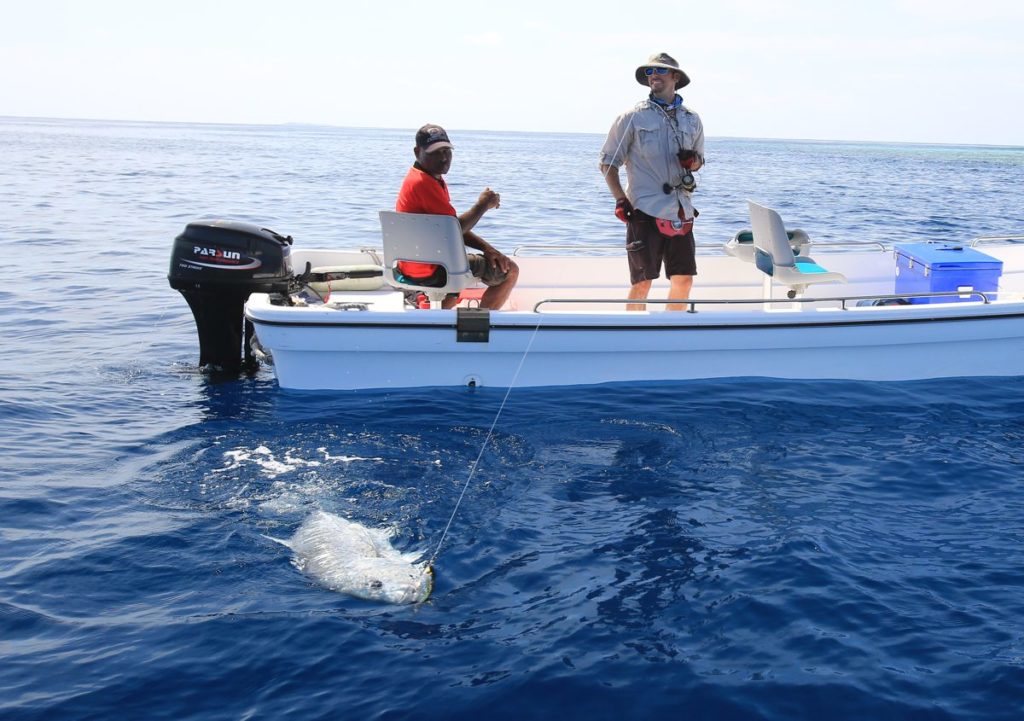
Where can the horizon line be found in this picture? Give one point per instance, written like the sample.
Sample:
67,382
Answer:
301,124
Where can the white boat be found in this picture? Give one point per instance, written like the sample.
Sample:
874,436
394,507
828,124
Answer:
759,308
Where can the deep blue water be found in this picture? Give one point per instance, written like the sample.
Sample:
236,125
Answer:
711,550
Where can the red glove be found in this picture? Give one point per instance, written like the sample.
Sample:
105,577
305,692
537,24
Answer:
689,159
623,209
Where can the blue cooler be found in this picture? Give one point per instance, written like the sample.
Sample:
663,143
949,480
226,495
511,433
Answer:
945,267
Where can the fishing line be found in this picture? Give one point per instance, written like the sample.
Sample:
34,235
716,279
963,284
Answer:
515,377
483,447
618,147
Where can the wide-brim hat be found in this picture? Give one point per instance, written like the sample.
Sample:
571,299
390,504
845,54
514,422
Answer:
661,60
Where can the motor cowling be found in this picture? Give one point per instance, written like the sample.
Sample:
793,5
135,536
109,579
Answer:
216,265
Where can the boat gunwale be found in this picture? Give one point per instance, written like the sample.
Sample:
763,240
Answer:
842,300
531,321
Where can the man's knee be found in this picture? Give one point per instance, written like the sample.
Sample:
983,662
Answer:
513,273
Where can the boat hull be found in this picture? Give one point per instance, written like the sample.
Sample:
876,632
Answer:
399,350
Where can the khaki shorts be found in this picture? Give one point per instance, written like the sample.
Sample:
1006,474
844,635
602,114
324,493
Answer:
489,275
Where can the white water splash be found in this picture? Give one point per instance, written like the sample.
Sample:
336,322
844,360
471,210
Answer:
272,466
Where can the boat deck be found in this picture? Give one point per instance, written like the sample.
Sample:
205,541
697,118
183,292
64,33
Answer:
579,282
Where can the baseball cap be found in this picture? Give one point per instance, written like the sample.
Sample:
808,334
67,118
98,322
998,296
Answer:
432,137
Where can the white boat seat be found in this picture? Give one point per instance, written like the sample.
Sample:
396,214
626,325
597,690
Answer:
774,256
741,245
425,238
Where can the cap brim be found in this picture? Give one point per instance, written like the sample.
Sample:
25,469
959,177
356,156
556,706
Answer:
437,146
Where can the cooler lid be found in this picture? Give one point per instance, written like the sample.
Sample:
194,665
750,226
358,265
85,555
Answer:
947,255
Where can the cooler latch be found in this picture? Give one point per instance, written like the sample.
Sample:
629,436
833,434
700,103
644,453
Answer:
472,325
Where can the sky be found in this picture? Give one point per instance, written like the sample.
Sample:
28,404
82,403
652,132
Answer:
928,71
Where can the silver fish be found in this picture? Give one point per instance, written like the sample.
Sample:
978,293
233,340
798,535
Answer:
348,557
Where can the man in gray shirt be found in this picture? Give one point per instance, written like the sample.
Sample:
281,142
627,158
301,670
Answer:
661,143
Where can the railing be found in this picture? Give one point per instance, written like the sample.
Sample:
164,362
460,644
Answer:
701,247
582,249
693,303
983,239
830,244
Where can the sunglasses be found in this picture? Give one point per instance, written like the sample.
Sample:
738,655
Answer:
660,71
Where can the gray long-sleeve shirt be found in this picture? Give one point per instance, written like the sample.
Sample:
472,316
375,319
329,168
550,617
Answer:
646,140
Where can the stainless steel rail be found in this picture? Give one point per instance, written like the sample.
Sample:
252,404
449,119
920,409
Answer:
693,303
575,248
828,244
983,239
714,247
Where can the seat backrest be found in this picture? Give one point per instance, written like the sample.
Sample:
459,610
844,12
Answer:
425,239
770,236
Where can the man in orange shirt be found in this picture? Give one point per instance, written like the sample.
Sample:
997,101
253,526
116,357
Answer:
424,191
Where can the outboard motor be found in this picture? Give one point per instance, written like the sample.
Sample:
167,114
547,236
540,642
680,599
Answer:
216,264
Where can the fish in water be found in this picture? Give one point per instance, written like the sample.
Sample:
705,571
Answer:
348,557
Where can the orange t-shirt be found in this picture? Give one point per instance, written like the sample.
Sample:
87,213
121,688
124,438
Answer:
421,192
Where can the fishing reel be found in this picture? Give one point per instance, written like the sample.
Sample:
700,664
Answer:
686,182
688,161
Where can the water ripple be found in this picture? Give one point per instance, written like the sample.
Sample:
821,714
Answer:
798,550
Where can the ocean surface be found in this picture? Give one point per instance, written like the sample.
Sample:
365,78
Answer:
707,550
